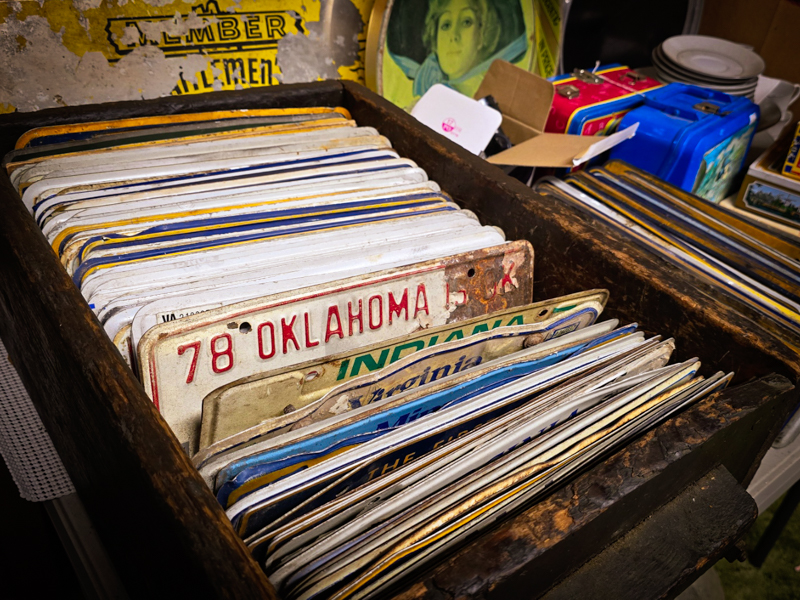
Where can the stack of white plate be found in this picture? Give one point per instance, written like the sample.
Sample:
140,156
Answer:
708,62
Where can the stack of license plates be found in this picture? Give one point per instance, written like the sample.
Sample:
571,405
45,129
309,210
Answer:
755,265
352,362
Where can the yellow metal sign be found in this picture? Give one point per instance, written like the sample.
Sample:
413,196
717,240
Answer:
83,51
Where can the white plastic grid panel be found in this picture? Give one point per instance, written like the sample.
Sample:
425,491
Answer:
25,445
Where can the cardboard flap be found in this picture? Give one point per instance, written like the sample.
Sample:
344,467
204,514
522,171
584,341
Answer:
560,150
517,131
545,150
524,99
521,95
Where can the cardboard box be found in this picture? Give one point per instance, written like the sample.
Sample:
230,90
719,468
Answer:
525,99
768,193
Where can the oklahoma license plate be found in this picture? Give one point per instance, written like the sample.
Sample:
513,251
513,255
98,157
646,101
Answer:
181,362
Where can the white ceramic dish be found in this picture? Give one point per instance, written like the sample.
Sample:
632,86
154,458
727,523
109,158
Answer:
713,56
684,76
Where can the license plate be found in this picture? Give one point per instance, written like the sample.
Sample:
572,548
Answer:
130,137
240,201
110,159
261,455
243,404
258,506
181,362
211,238
34,192
278,257
55,134
297,177
292,450
112,198
102,156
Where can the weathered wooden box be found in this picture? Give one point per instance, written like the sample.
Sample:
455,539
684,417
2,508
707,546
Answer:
165,532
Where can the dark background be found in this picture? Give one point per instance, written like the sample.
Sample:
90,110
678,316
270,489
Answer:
32,559
619,31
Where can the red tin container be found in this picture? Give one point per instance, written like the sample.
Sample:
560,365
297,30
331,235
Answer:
593,103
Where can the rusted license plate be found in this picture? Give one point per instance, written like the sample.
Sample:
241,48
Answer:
183,361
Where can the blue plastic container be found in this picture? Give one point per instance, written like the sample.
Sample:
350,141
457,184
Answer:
692,137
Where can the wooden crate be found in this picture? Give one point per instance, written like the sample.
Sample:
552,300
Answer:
165,532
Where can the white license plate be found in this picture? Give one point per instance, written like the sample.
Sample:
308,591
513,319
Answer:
183,361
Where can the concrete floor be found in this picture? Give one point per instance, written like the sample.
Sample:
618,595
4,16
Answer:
707,587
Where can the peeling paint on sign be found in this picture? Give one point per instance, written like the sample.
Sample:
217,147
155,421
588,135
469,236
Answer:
86,51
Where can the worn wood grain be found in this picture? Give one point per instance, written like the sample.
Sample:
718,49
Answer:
672,547
165,532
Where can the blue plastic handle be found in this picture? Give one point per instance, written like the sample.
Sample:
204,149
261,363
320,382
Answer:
690,114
